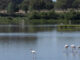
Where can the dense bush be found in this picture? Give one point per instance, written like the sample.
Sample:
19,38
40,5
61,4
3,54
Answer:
37,17
65,17
34,15
43,15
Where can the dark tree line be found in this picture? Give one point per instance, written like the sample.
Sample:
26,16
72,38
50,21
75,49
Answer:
26,4
15,5
65,4
37,4
5,3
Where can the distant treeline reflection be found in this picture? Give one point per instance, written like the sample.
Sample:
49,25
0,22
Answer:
21,29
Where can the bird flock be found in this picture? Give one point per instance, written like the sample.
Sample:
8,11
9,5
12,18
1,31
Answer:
72,48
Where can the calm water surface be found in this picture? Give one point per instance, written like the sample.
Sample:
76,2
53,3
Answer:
16,43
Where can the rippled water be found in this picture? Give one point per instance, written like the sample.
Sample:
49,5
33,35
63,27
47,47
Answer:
16,44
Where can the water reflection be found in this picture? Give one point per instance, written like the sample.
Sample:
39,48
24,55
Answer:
20,29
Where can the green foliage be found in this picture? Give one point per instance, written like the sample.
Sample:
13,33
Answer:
52,15
59,18
43,15
61,4
34,15
24,5
10,8
41,4
66,4
76,4
72,15
3,4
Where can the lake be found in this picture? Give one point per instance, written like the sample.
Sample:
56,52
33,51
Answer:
16,43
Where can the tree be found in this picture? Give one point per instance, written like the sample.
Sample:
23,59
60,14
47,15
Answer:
60,4
41,4
69,3
76,4
3,4
64,4
27,4
24,5
49,4
12,7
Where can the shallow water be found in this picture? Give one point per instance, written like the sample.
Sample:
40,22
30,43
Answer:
16,44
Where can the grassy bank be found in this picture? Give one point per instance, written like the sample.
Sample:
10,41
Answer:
26,21
68,27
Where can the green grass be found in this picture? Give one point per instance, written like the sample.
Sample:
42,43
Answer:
68,27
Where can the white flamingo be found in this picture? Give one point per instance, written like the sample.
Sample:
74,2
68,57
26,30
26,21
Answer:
73,46
33,51
66,46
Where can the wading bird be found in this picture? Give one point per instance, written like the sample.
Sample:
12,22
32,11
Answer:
66,46
73,46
